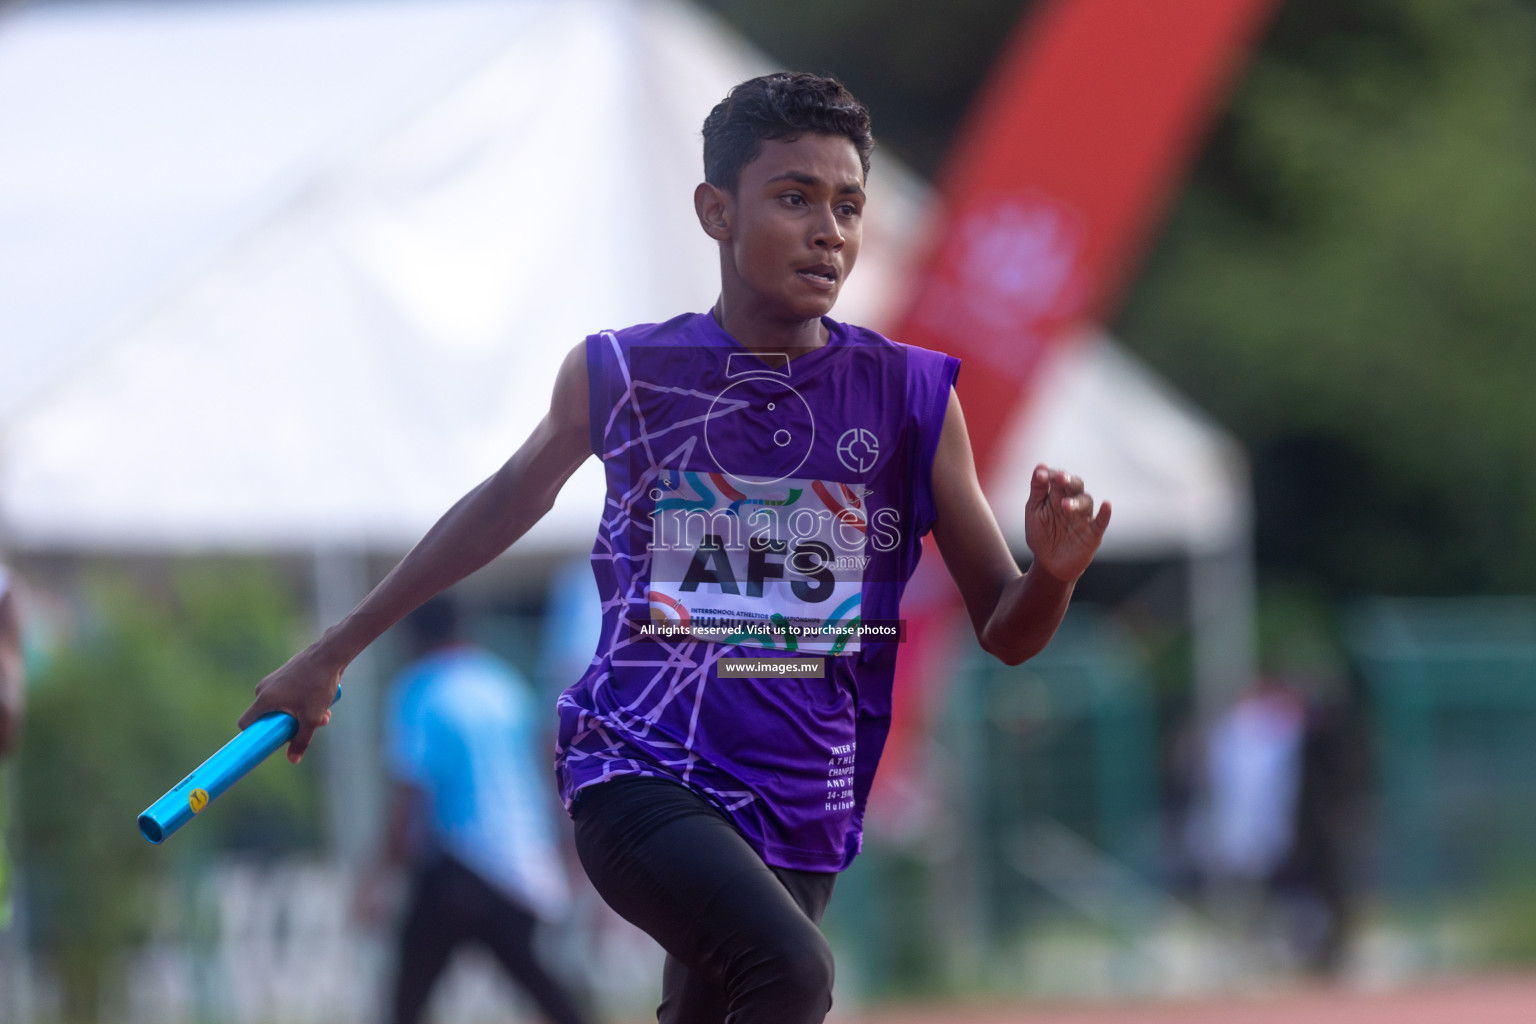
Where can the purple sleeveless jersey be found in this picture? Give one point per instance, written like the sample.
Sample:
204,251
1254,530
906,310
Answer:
763,507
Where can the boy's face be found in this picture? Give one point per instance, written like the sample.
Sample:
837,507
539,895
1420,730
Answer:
793,227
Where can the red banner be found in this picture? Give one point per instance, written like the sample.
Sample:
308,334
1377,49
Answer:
1047,202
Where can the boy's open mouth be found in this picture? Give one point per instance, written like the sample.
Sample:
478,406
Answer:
822,275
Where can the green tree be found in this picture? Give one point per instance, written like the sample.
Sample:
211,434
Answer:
1347,284
148,690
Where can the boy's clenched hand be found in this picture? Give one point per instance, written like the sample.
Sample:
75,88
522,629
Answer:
1060,525
304,687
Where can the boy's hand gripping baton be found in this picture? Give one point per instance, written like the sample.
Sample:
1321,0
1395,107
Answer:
185,800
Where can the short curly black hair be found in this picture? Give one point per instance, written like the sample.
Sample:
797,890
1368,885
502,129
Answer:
784,105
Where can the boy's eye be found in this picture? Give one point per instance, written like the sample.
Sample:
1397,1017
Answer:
848,210
793,198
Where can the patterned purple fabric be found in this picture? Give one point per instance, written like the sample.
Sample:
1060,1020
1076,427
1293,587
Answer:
757,506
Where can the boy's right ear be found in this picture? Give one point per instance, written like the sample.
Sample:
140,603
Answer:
714,207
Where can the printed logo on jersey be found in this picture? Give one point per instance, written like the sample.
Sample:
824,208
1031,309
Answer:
777,565
858,449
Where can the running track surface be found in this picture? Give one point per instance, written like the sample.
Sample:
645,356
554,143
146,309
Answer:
1494,1000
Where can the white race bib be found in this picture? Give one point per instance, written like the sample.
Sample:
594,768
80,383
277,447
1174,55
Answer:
778,566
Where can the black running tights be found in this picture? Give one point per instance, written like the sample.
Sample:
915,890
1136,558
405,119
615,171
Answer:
742,941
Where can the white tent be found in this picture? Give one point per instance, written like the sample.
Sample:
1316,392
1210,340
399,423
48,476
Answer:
296,273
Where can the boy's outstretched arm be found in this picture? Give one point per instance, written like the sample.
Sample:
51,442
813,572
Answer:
1014,614
480,526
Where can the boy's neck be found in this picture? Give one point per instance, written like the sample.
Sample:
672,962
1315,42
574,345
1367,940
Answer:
765,334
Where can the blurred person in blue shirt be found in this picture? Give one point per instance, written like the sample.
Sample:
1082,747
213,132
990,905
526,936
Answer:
469,813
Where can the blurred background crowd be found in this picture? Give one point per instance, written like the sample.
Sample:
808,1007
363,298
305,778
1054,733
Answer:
279,280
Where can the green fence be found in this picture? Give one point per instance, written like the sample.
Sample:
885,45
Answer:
1451,686
1067,738
1059,751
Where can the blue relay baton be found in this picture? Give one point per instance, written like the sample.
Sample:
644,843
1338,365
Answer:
208,781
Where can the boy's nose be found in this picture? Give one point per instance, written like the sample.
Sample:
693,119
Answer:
828,235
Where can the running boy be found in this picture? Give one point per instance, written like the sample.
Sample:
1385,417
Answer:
771,473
